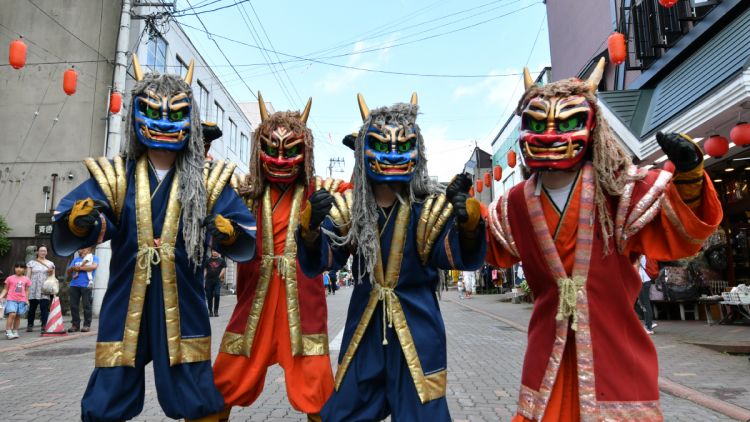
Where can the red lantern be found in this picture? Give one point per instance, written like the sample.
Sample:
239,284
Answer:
669,166
668,3
512,158
740,134
716,146
617,49
17,56
480,186
471,191
487,180
70,80
115,102
498,173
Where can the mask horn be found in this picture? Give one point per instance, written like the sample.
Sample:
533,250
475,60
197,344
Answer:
262,106
413,100
137,68
596,75
363,110
527,81
189,74
306,112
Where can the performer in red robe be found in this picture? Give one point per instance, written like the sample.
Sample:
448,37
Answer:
578,224
281,315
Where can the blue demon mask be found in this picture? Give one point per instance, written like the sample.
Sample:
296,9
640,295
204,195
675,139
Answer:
391,145
162,109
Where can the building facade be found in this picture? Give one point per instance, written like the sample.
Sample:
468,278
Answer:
46,133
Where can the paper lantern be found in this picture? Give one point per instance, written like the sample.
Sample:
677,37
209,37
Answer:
740,134
716,146
17,55
617,48
511,158
668,3
669,166
471,191
487,180
70,80
115,102
498,173
480,186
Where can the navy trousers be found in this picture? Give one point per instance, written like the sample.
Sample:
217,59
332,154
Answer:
378,383
184,391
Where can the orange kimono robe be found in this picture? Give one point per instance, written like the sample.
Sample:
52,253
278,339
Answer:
280,316
608,369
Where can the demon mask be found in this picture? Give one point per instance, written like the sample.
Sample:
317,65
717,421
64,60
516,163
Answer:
391,144
282,146
162,117
556,131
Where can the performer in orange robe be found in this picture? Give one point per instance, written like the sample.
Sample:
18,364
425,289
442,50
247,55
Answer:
281,315
578,224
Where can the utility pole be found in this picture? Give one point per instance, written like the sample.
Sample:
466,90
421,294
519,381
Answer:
335,165
112,146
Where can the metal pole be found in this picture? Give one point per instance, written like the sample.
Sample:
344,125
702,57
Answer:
118,80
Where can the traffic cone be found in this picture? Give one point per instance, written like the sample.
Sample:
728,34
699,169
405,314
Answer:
55,326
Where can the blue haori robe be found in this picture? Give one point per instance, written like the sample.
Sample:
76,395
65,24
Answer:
393,358
154,308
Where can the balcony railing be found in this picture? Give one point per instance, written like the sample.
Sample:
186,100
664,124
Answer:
652,29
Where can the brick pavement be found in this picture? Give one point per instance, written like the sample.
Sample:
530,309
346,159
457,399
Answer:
484,361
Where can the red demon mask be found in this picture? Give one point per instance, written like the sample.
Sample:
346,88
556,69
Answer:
556,132
282,154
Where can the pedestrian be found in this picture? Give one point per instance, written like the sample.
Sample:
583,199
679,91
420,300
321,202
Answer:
82,270
327,283
470,280
16,287
213,274
644,299
38,269
332,282
461,287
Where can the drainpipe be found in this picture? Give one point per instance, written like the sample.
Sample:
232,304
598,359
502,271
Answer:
114,131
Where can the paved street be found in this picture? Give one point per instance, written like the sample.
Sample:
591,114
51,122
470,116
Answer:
485,351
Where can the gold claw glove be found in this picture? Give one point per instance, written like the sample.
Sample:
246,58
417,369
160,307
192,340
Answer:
226,228
473,209
81,208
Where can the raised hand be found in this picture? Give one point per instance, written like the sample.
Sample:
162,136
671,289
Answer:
680,150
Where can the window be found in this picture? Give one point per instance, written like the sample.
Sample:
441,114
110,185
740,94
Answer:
232,135
243,147
156,54
203,101
218,115
183,67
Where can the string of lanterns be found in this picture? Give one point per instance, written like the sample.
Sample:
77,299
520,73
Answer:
496,174
17,59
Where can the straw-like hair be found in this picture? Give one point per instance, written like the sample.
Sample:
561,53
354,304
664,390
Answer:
189,161
610,159
363,234
255,182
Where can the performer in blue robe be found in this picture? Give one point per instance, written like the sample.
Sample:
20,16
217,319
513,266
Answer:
155,204
401,231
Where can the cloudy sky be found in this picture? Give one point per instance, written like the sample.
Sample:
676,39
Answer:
463,58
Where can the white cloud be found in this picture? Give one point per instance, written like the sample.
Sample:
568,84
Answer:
336,80
495,91
445,157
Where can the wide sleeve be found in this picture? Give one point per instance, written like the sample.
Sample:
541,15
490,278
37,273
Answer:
64,242
677,230
447,254
323,256
501,248
230,206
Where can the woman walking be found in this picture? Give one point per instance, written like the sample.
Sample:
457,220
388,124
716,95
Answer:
38,270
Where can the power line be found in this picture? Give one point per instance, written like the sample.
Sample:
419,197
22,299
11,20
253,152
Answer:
221,51
181,13
67,30
429,75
